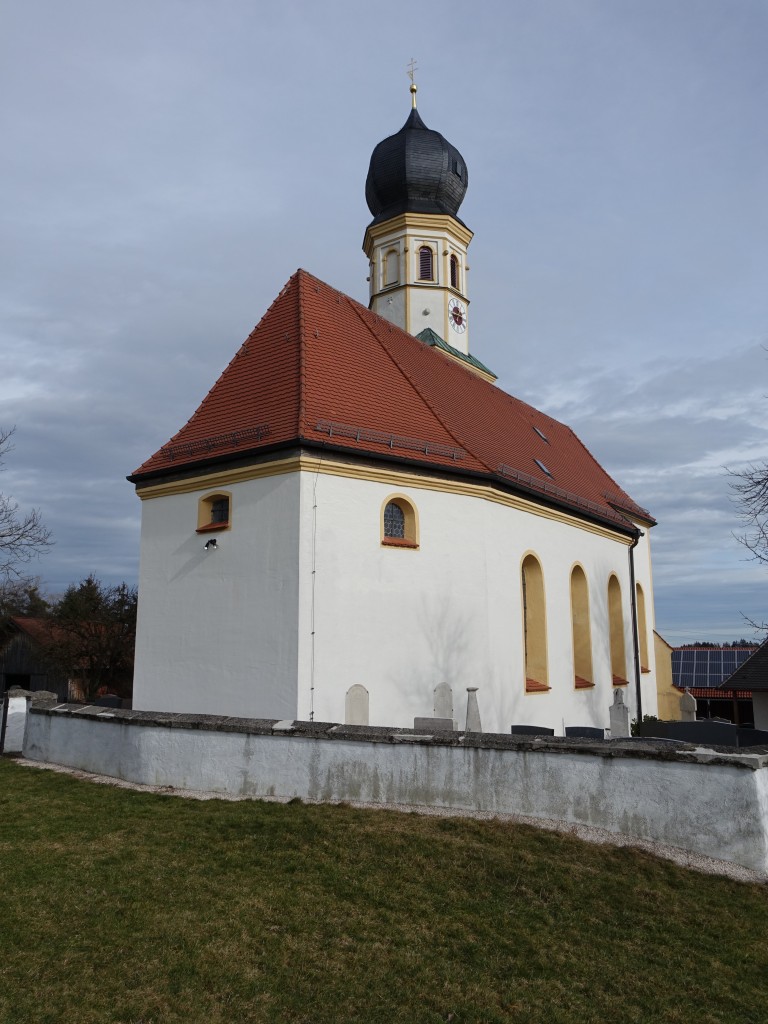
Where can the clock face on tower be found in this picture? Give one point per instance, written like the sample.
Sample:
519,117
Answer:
457,316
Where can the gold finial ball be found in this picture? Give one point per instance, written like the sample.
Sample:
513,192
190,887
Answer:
414,90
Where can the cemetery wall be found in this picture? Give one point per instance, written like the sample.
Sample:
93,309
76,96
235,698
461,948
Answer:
706,801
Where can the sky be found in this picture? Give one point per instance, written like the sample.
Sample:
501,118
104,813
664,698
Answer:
168,164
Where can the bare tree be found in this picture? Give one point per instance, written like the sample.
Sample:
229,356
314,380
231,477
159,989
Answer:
22,534
750,487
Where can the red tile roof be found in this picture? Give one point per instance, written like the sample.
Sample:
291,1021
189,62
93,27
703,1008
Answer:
322,370
715,692
38,629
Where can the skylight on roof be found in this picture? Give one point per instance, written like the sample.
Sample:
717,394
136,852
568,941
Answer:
542,467
541,433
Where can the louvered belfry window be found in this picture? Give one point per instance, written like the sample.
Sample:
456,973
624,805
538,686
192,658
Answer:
425,264
454,272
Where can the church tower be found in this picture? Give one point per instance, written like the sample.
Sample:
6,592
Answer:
416,245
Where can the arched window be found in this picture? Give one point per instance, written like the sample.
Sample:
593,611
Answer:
454,272
214,512
581,628
392,267
616,628
642,629
426,264
394,520
534,625
399,523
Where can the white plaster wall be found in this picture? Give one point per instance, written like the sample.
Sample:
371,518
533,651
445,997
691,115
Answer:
391,305
15,723
715,809
400,621
217,629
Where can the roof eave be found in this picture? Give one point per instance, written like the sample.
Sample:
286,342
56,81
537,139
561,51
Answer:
310,444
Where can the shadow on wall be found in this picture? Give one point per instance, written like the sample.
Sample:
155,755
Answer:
441,633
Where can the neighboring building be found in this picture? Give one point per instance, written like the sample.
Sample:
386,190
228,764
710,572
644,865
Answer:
751,677
24,659
701,669
356,514
668,695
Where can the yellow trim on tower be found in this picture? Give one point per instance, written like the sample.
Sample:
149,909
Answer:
416,223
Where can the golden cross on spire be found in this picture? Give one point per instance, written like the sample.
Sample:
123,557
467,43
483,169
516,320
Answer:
412,69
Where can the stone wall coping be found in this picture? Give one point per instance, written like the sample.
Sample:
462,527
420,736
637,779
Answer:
646,748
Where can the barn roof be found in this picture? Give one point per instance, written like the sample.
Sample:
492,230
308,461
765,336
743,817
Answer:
752,674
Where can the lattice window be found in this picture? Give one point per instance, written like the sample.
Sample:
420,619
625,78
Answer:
394,520
220,510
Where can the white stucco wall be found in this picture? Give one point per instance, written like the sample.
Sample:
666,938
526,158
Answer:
400,621
216,630
713,805
300,601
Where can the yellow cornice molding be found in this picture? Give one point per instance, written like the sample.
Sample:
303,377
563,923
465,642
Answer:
467,365
399,478
415,222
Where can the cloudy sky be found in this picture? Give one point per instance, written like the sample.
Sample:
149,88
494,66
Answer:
167,164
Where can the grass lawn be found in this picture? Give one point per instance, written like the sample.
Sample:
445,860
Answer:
132,907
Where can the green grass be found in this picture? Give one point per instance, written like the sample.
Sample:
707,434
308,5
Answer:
118,906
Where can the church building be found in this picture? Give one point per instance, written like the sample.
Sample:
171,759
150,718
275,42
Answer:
357,524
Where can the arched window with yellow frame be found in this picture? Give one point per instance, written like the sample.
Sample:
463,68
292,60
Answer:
616,630
534,625
426,263
399,522
581,630
214,512
391,268
642,629
454,265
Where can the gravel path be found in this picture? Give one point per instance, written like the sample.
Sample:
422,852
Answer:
588,833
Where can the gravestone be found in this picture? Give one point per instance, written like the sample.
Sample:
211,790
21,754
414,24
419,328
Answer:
443,707
433,724
687,707
619,716
356,706
473,711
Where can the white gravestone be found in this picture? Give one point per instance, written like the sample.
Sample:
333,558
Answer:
443,707
356,706
619,715
473,711
687,707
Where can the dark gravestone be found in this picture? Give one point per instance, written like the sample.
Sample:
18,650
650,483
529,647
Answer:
753,738
719,734
586,731
531,730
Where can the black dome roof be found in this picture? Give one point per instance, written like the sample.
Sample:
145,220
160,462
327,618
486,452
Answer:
416,171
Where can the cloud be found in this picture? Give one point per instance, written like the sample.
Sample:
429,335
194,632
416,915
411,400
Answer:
168,166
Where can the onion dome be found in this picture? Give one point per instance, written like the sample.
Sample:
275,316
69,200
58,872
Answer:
415,171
